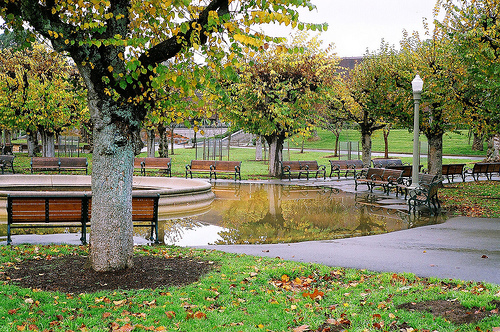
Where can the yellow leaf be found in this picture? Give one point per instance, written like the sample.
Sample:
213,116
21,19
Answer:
110,69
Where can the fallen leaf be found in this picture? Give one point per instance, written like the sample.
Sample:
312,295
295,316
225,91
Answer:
106,315
200,315
301,328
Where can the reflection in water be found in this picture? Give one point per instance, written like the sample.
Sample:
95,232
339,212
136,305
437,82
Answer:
264,213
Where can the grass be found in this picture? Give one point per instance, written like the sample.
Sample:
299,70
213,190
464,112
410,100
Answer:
473,199
242,293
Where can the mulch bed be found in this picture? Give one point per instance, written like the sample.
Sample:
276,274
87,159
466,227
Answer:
72,274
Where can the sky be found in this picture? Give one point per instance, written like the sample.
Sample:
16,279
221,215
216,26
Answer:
355,25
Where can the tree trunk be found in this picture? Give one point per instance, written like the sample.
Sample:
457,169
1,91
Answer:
366,147
336,153
172,139
386,131
258,148
435,158
477,143
151,143
111,234
275,143
32,143
162,144
48,147
302,146
493,153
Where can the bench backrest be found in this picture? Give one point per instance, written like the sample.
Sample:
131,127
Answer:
382,163
138,162
293,165
157,162
391,174
480,168
202,164
222,165
45,161
374,172
407,170
311,165
339,164
493,167
452,169
25,209
7,159
73,162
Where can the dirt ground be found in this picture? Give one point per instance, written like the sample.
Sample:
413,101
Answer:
71,274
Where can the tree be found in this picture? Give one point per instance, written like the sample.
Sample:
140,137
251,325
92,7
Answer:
474,30
119,47
42,94
279,91
370,95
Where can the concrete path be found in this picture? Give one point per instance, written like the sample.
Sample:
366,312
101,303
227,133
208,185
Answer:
461,248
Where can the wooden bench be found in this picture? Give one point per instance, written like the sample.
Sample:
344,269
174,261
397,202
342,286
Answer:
366,176
425,194
73,164
345,166
302,167
384,163
424,179
486,169
311,166
58,164
387,180
450,170
138,164
7,162
201,167
161,164
56,211
226,167
289,167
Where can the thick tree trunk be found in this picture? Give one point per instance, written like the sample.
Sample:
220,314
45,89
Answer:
151,143
258,148
48,147
493,153
435,158
477,142
32,143
275,143
366,147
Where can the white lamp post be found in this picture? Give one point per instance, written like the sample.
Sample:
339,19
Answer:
417,85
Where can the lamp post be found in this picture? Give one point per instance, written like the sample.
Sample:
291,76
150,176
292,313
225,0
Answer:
417,85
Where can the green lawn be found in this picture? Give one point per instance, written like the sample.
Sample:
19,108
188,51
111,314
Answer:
241,293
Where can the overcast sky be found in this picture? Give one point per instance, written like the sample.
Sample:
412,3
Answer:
355,25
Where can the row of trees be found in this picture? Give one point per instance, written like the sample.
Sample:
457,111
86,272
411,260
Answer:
136,59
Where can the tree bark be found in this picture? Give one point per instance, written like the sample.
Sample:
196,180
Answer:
32,143
366,147
162,144
275,143
151,143
48,147
172,140
477,142
435,158
386,131
258,148
111,234
493,153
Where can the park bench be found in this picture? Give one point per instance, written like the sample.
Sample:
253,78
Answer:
389,178
138,164
7,162
425,194
73,164
450,170
200,167
72,210
345,166
311,166
384,163
58,164
424,179
289,167
160,164
226,167
484,168
366,176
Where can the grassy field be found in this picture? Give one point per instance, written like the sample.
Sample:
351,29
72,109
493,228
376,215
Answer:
243,293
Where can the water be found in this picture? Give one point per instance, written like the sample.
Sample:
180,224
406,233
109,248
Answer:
265,213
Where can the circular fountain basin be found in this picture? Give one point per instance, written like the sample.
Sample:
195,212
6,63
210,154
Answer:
178,196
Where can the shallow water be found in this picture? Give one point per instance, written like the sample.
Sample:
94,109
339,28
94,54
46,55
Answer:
265,213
